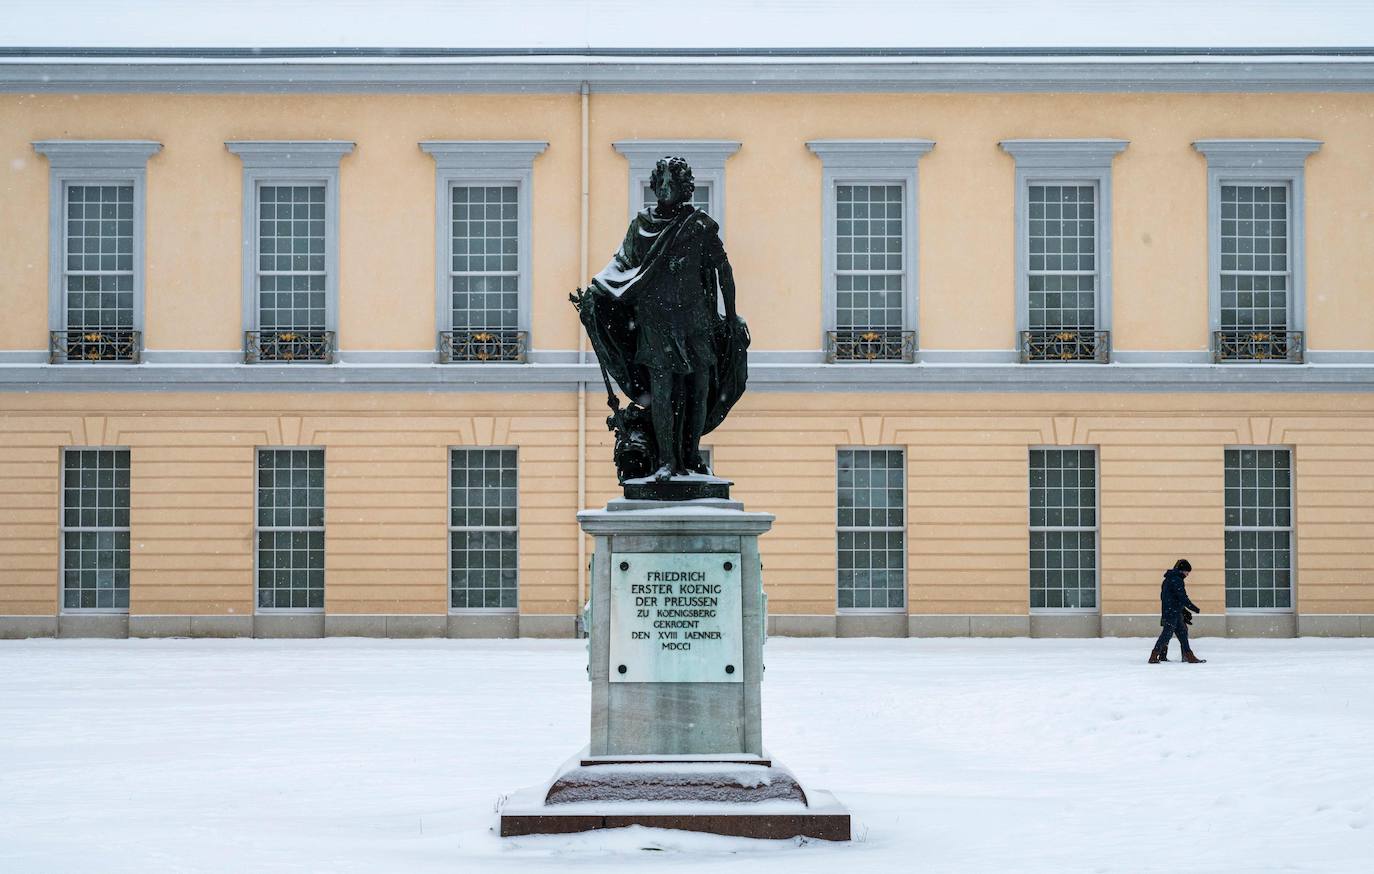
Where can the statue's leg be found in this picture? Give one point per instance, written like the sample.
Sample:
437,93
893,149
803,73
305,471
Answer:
698,387
665,432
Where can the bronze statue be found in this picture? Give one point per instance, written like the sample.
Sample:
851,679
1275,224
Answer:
661,318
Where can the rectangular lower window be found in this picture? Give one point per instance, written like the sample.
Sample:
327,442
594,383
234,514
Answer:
871,528
1063,529
290,529
1259,529
95,529
483,529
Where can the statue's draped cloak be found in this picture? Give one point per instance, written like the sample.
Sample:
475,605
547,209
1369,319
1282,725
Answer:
654,306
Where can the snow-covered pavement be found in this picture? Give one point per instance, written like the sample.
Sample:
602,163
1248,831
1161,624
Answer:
954,755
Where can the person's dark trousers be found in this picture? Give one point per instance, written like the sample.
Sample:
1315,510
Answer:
1180,630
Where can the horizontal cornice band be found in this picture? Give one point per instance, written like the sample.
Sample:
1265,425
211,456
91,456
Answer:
780,377
1204,72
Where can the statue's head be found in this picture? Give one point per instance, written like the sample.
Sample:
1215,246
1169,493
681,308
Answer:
672,181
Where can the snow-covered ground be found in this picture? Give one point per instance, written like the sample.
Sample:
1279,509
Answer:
953,755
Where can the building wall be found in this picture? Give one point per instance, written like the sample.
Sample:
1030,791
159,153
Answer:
773,211
1160,452
386,492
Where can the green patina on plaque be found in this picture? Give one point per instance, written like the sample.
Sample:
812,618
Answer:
675,618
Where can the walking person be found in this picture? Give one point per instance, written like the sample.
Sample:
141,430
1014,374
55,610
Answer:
1174,614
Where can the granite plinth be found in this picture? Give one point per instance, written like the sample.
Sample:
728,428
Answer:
726,782
726,796
679,488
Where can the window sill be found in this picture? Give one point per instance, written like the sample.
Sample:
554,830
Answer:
870,611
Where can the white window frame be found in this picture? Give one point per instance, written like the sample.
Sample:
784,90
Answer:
324,528
1292,530
1064,162
871,162
905,529
93,162
290,162
448,546
1258,162
1097,532
63,529
707,158
482,163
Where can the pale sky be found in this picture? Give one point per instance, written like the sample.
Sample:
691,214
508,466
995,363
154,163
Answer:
610,24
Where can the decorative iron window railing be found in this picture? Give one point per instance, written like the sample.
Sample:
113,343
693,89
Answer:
874,344
1257,344
294,344
482,345
1069,344
95,345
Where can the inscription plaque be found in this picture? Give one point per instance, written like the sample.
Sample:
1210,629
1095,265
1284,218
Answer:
675,618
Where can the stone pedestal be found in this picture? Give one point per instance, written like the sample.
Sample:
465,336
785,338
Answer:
676,623
675,664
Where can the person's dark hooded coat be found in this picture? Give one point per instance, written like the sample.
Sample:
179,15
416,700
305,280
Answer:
1173,598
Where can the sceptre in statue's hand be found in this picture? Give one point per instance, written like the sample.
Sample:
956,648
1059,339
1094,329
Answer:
654,318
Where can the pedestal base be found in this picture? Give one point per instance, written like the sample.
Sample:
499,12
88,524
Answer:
738,796
691,487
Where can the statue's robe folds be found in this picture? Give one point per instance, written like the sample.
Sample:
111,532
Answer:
655,307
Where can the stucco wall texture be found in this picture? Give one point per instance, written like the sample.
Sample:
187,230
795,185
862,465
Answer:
773,218
1160,453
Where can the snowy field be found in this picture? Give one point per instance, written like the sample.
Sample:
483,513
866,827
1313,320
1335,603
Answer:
954,755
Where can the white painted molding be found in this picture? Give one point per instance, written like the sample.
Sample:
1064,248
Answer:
1248,154
871,161
294,154
483,162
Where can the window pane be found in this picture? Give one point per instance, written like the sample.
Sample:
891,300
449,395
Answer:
869,260
871,538
1062,252
1258,526
290,520
291,257
99,257
95,537
484,269
483,536
1063,528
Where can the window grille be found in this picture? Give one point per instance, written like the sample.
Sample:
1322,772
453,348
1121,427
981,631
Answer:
290,529
483,529
869,268
292,275
95,529
1063,528
484,274
871,528
98,273
1259,528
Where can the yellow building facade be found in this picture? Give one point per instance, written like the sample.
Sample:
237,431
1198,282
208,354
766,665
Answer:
287,351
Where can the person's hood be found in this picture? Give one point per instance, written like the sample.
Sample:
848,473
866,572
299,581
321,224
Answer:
1173,573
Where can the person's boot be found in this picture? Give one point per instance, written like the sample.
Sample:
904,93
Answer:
1154,656
1192,659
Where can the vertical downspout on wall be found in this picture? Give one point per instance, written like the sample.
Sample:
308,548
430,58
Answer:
582,359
